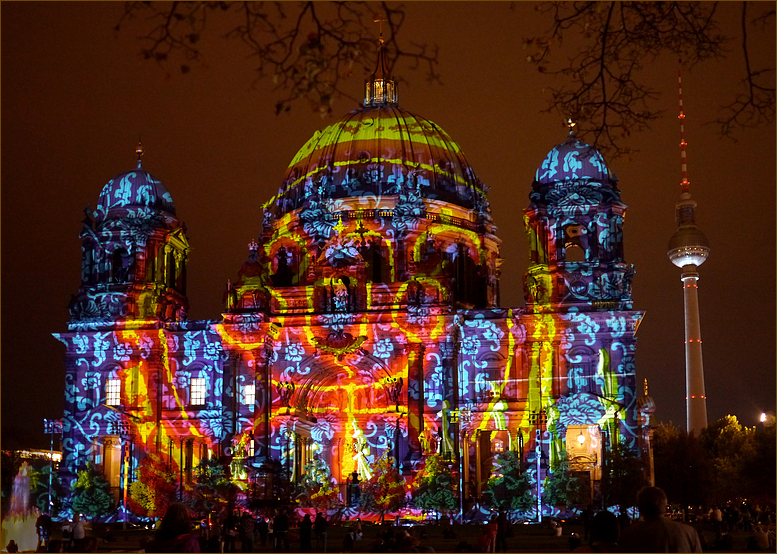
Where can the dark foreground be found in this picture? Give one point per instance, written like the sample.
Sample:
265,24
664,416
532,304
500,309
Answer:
525,538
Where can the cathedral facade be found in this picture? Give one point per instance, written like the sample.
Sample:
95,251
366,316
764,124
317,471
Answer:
365,321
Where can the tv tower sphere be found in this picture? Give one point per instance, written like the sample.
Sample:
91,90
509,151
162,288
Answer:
688,245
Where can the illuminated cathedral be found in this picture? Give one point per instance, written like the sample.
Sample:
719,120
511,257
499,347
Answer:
365,320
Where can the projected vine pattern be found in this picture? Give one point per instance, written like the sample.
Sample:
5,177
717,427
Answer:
366,313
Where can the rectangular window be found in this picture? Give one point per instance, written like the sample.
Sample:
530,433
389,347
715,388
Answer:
198,392
113,392
249,394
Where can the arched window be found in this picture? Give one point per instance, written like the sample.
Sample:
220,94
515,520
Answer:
170,273
581,369
575,242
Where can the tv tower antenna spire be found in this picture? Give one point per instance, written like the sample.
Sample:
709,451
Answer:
688,249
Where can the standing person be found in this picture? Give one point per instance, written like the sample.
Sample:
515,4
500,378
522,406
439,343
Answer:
271,532
501,532
229,531
657,533
493,529
320,529
263,529
717,519
305,533
67,536
281,530
79,533
604,534
588,514
43,526
175,532
484,540
246,533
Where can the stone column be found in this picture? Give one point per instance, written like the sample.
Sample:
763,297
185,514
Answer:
263,401
415,399
449,352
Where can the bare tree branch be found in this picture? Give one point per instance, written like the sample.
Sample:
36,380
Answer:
755,106
308,49
610,42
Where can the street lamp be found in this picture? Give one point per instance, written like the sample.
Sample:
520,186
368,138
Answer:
52,427
538,417
288,434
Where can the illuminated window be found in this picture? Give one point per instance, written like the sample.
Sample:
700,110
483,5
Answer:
249,394
499,447
113,392
198,392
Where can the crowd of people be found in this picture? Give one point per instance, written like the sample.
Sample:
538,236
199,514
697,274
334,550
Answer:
655,531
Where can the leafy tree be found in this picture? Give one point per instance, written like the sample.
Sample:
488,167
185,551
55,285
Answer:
730,446
316,488
92,494
682,467
39,490
622,477
384,491
760,468
213,487
154,490
435,486
562,487
509,488
274,492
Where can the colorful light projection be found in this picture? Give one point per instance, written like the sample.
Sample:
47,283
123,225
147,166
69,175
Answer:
365,323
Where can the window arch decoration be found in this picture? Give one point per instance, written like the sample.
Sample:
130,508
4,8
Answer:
581,371
489,381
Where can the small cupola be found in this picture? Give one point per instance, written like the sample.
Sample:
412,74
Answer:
381,89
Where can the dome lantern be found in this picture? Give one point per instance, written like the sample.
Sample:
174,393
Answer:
380,89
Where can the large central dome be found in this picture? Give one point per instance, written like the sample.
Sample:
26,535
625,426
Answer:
373,151
380,152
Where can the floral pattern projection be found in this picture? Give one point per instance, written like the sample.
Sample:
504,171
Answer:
365,320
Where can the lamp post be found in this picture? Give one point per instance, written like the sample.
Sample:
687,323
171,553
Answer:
124,430
52,427
464,416
288,434
539,419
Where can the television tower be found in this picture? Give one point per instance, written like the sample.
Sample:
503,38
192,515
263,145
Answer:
688,249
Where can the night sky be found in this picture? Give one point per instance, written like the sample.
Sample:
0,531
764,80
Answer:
76,97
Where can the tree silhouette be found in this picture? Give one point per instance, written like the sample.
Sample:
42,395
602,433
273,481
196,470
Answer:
562,488
384,491
622,477
91,494
434,488
509,488
308,49
311,49
213,487
611,42
155,488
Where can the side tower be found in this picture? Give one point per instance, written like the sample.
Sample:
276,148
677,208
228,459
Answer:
580,338
134,253
129,388
575,228
688,249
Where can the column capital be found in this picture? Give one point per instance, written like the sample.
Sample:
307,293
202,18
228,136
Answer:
416,348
